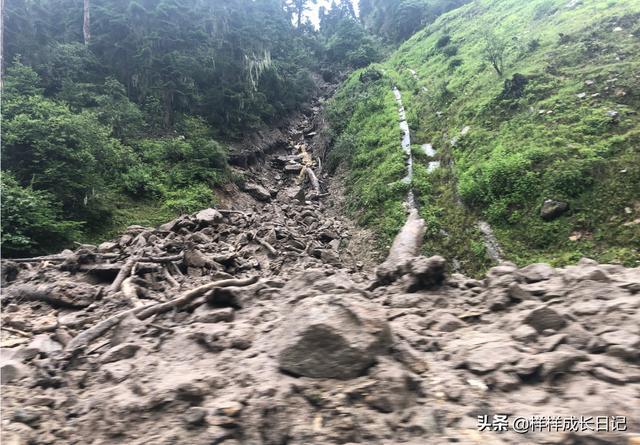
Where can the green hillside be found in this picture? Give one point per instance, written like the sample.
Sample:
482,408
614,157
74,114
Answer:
549,91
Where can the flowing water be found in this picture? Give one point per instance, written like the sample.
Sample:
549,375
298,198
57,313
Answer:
406,146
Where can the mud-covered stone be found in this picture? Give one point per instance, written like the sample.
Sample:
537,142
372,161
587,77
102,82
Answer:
333,337
544,318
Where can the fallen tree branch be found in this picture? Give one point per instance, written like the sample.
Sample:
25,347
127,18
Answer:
88,335
313,179
16,331
169,278
37,259
162,259
102,256
130,291
237,212
125,271
266,245
49,293
193,294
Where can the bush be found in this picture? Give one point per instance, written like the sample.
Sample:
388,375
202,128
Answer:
53,149
443,41
568,178
455,63
450,50
32,221
142,182
189,200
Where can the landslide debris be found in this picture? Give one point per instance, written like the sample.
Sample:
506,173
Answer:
260,325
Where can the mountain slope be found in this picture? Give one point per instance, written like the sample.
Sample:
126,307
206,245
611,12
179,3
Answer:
523,102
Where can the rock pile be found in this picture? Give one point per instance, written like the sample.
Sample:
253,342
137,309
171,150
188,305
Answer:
258,325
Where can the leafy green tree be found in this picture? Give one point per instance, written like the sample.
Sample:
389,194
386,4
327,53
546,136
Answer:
494,50
51,148
31,220
397,20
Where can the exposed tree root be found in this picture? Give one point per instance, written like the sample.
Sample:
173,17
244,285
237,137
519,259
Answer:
49,293
125,271
85,337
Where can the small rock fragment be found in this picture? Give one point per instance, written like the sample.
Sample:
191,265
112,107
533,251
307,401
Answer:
120,352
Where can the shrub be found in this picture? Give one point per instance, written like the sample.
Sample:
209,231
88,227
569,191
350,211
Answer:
31,220
450,50
142,182
189,200
443,41
455,63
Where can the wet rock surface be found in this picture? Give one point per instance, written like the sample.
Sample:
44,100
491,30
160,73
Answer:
266,323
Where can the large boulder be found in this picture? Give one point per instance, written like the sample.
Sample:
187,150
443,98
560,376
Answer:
209,216
551,209
333,336
257,191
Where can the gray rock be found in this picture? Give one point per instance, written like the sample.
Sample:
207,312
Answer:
107,246
297,194
116,372
195,258
330,256
206,314
504,268
622,338
27,415
527,366
41,345
394,389
561,361
583,308
490,357
404,300
209,216
426,273
12,370
544,318
525,334
504,381
536,272
609,376
333,336
577,336
195,416
449,323
258,192
551,209
120,352
586,272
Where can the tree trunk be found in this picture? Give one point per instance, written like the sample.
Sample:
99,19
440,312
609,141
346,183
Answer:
86,29
406,245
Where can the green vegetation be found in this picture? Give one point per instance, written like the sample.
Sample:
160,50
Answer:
550,96
129,122
397,20
365,116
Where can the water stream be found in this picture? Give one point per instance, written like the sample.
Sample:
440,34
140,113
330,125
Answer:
406,147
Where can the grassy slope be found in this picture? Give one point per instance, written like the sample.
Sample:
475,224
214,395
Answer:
524,146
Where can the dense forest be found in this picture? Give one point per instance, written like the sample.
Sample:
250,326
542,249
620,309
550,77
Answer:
120,111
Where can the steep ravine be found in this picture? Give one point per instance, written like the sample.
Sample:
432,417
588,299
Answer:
263,322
